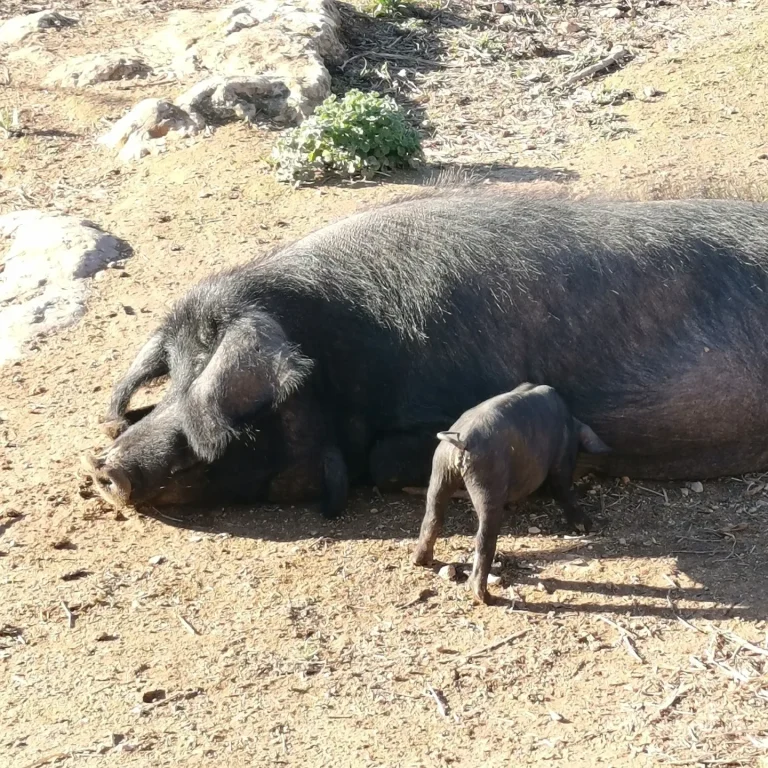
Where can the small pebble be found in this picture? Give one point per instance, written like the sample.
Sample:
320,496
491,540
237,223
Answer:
447,572
493,578
696,487
533,530
157,560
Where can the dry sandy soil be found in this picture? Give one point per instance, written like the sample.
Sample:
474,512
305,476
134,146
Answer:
271,637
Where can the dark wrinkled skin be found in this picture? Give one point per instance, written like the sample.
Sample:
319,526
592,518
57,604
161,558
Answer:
286,458
648,318
502,451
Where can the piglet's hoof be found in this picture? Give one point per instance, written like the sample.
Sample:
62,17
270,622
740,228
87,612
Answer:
422,556
583,526
479,593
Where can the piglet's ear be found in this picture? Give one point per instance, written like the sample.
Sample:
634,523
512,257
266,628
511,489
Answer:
254,366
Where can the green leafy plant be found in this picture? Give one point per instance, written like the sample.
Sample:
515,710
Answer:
357,136
381,8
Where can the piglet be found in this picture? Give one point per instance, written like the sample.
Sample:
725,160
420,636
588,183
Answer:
502,451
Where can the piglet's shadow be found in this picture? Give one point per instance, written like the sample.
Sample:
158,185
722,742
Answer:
729,570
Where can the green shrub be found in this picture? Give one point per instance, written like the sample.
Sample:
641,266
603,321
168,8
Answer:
380,8
357,136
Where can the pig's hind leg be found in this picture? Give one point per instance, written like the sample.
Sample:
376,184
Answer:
443,483
489,502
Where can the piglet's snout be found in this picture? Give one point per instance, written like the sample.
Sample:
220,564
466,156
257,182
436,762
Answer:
111,482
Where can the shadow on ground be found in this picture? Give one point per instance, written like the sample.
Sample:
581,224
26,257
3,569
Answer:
721,547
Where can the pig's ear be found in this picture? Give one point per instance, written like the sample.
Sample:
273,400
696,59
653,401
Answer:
253,367
150,363
588,440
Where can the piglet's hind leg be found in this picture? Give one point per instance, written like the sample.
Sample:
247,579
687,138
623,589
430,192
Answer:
442,485
490,512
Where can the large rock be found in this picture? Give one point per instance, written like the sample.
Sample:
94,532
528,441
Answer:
90,69
46,260
261,59
18,28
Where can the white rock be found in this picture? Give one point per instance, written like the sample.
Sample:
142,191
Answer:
227,98
493,578
87,70
137,133
696,487
157,560
533,530
19,27
447,572
258,59
46,261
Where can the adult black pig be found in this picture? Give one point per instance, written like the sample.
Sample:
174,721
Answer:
649,318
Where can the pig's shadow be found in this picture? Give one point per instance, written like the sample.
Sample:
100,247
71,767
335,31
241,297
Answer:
722,548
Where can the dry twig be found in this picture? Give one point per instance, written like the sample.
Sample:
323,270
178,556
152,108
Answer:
615,57
626,639
440,700
70,615
497,644
187,626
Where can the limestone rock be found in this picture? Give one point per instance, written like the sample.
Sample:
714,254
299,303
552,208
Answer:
259,59
219,99
87,70
46,260
20,27
136,134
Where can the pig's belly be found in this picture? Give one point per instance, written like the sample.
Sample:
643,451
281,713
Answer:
708,421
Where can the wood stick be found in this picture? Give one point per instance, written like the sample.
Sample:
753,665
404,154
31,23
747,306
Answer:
187,626
497,644
439,697
70,615
616,57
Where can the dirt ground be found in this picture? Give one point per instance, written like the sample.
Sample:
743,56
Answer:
250,637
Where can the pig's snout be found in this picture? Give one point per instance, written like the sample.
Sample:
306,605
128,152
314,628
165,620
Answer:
112,483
